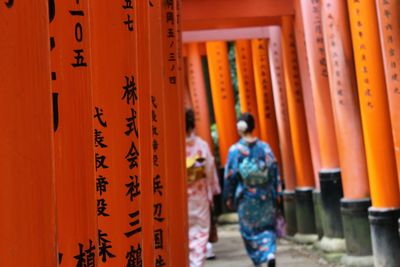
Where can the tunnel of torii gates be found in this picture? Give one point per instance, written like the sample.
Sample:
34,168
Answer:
93,97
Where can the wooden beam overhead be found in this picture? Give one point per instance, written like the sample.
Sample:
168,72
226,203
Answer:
226,34
218,14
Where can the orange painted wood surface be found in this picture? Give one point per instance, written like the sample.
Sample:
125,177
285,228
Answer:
27,195
281,108
307,95
315,49
151,211
246,83
265,98
174,136
117,116
186,96
374,104
389,22
74,142
345,103
198,93
297,117
222,94
207,14
158,118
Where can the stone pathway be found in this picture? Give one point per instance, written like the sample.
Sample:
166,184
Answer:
231,253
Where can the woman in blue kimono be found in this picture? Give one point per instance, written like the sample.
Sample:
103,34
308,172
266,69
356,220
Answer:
251,183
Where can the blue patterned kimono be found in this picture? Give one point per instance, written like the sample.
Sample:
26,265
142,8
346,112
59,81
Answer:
255,205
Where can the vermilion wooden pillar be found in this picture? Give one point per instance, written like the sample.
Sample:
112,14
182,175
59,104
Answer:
329,174
150,210
222,94
295,106
388,17
374,105
377,133
160,226
117,122
74,142
343,87
282,117
319,83
174,136
304,171
309,106
265,98
310,114
246,83
198,92
27,195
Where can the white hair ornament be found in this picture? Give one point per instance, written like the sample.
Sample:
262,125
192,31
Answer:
242,126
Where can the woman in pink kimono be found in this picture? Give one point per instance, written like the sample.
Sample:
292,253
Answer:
202,186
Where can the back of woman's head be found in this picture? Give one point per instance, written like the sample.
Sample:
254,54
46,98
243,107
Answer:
245,123
190,120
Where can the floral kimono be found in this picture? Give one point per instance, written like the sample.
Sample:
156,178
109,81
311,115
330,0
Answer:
255,204
203,184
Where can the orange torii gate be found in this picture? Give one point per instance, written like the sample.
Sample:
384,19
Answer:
349,134
117,101
246,83
198,94
378,137
329,173
161,238
153,213
175,134
311,119
27,196
265,98
304,170
389,22
223,98
282,117
73,142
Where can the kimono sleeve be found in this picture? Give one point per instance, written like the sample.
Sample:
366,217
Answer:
273,172
231,178
211,173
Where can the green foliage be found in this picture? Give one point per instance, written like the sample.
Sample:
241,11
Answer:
235,84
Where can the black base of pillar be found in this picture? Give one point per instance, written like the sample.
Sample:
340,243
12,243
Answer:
331,193
305,215
318,212
384,236
289,203
356,226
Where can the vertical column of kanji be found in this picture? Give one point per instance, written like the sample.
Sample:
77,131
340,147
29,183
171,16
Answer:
329,174
378,137
74,152
304,70
222,95
198,92
246,83
389,22
309,107
349,135
282,116
116,115
161,221
265,98
174,138
149,209
304,171
27,194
